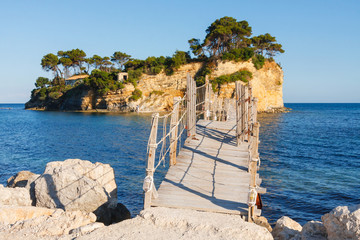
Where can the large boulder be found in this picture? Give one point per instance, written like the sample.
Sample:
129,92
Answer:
12,214
343,223
76,184
286,228
14,196
313,230
20,179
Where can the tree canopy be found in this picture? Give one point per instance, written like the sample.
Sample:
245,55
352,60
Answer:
266,45
50,63
228,36
120,59
41,82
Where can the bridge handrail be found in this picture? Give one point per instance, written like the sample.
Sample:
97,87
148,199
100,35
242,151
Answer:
196,103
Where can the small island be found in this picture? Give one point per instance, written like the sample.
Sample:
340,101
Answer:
121,83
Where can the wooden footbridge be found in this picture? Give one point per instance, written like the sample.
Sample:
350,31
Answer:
215,168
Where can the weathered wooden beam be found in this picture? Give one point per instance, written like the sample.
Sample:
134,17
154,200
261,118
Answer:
246,113
150,188
253,168
238,111
207,99
174,130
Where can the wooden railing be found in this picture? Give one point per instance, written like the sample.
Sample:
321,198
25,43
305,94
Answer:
247,129
202,102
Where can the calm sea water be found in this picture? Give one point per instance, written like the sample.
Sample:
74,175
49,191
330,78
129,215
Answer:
310,156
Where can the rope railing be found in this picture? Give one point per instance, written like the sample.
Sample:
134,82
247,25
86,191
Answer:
202,102
171,127
247,129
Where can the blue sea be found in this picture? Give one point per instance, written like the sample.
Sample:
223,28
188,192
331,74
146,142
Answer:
310,157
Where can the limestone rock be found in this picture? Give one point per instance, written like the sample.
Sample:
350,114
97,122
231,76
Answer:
266,83
59,223
163,223
313,230
76,184
343,222
86,229
262,221
12,214
14,196
286,228
20,179
30,186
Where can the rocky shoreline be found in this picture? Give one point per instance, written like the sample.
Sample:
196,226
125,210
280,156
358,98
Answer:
76,199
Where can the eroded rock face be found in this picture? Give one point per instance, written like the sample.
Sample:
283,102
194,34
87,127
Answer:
313,230
56,224
12,214
20,179
343,222
76,184
14,196
262,221
286,228
165,223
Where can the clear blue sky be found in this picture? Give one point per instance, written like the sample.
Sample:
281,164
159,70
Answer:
321,38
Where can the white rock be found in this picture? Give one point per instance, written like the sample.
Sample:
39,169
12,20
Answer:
86,229
12,214
286,228
313,230
57,224
76,184
165,223
343,222
14,196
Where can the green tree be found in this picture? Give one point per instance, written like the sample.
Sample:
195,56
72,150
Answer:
221,36
196,47
265,44
41,82
77,58
96,61
120,59
50,63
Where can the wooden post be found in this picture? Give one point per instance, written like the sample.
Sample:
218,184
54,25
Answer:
253,167
242,111
255,100
151,161
207,99
191,106
238,111
246,113
226,109
174,132
188,103
249,100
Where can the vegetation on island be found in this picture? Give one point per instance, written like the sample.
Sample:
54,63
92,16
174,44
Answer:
226,40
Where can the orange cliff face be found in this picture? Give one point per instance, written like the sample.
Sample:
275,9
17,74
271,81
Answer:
159,90
266,84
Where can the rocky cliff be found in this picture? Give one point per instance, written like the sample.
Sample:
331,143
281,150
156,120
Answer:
159,90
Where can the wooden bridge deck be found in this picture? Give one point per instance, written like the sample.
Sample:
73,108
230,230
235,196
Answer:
211,173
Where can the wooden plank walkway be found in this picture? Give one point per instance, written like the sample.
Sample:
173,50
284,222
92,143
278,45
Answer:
211,173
